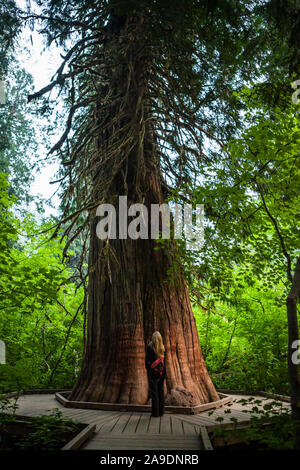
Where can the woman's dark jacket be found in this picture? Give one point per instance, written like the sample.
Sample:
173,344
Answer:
151,357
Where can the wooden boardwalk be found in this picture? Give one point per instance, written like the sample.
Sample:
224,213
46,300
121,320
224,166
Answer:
136,430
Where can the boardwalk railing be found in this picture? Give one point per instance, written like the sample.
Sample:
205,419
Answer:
61,397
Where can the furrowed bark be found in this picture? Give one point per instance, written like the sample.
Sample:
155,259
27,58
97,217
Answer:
128,300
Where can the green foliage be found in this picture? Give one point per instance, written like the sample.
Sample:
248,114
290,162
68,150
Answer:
48,433
242,276
40,314
250,197
9,26
21,132
244,342
8,407
270,426
284,17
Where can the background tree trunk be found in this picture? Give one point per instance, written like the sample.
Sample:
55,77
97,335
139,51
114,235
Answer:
293,367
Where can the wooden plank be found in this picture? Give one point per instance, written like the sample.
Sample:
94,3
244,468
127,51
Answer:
143,425
240,424
189,429
165,424
246,393
86,415
135,437
275,396
212,405
145,442
235,413
78,417
90,417
121,424
133,422
225,417
95,416
100,406
78,440
205,439
197,429
109,425
73,414
46,391
236,392
154,425
12,394
177,427
198,420
34,413
100,423
61,399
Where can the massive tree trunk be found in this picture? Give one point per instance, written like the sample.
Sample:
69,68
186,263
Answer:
130,291
131,296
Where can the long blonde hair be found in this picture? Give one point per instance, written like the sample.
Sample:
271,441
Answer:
157,344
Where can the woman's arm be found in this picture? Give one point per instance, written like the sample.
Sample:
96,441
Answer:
148,360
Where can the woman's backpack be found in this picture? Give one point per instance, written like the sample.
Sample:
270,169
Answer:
158,365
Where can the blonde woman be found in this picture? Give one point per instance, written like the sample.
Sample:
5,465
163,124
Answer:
156,371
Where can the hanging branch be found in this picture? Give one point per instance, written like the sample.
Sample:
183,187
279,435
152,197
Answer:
274,222
49,87
111,115
65,343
